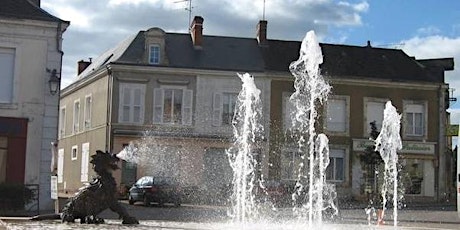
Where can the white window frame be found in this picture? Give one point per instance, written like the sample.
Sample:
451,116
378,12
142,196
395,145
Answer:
123,87
76,116
406,107
332,162
154,57
346,114
62,121
186,106
88,111
74,153
367,126
12,76
84,162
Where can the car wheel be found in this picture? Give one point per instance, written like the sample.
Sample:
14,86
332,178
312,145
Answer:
130,200
146,201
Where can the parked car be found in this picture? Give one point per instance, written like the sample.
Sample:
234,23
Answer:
159,190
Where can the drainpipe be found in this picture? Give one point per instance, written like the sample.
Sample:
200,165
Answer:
108,135
442,142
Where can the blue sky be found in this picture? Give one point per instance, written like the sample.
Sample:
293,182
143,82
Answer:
422,28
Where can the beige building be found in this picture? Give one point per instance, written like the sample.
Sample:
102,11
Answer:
30,56
174,94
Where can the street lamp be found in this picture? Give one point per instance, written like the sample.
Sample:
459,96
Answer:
53,81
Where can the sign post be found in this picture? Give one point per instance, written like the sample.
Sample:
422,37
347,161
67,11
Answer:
54,193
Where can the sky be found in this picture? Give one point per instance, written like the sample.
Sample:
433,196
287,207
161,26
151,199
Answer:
421,28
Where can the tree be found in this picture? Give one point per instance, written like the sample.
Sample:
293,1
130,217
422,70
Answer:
370,163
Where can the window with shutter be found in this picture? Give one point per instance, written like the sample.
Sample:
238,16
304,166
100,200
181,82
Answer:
132,103
7,58
414,119
172,105
337,119
374,112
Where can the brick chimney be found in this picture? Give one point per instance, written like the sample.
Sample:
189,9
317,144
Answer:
196,31
35,2
82,65
262,32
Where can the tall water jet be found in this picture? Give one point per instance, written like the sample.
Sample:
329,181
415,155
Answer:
311,90
387,144
247,131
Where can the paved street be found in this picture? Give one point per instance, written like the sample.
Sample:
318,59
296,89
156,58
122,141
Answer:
204,217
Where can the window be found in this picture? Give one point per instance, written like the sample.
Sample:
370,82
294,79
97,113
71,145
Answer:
337,115
290,164
74,152
62,119
76,116
172,105
288,110
414,119
374,112
7,56
413,176
336,169
224,108
84,162
131,108
88,104
154,56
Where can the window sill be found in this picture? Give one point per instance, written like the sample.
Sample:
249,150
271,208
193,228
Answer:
8,106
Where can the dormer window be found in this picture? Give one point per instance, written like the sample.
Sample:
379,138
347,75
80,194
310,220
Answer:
154,55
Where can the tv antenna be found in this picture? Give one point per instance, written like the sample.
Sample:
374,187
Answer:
263,13
188,9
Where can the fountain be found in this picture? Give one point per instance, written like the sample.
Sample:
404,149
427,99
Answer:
247,131
311,90
387,143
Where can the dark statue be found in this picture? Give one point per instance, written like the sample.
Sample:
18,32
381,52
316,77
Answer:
97,196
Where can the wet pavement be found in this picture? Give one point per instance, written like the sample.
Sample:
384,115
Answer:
438,216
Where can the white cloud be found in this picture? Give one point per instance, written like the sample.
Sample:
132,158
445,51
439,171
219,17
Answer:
428,31
438,47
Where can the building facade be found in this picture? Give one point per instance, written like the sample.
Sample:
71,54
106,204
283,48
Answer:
173,96
30,44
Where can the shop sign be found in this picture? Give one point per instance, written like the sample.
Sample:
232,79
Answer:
360,145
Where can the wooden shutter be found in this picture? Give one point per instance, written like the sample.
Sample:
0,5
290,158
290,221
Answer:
158,105
60,166
217,110
84,162
187,107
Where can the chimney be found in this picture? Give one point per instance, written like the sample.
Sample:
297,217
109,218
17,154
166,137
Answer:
82,65
35,2
196,31
262,32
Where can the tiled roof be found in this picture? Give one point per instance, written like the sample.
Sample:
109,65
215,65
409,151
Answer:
23,9
245,55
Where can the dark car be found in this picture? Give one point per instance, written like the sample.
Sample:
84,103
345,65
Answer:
159,190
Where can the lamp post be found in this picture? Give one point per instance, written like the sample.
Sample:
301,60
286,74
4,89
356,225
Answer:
54,81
